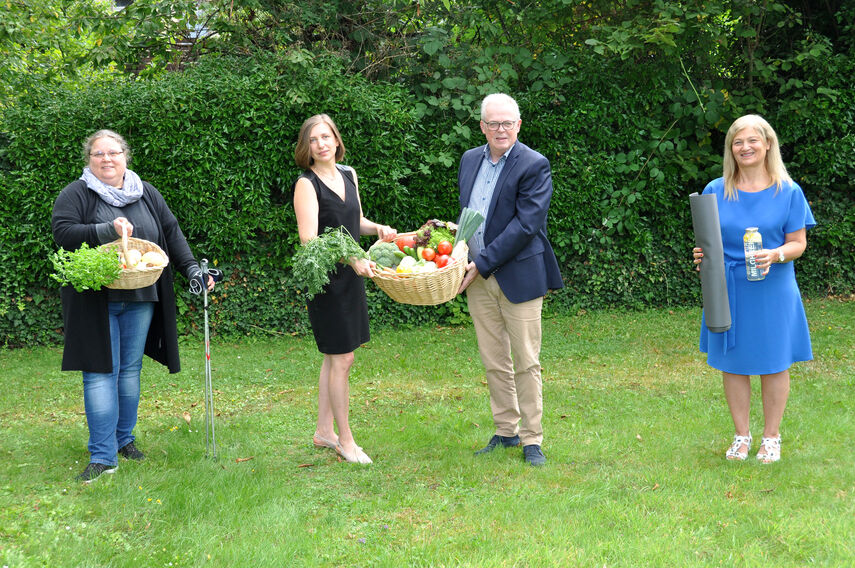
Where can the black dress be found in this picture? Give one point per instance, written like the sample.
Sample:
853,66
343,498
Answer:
339,314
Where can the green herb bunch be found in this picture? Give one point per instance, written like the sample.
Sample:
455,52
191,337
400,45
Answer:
314,260
86,268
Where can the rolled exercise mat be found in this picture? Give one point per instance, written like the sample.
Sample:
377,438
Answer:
713,278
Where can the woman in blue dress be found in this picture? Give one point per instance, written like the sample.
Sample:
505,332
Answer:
769,330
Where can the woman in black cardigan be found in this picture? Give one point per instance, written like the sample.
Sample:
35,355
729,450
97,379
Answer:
108,331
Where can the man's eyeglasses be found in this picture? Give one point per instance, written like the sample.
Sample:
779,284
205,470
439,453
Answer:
505,124
112,154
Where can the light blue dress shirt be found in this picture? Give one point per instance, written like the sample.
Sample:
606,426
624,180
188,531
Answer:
482,195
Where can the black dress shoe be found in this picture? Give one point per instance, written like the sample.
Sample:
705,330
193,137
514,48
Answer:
506,441
533,455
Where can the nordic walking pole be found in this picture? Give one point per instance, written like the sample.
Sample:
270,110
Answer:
209,391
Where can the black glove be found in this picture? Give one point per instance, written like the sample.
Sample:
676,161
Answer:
198,282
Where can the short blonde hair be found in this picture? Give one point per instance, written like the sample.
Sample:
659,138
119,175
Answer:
774,163
104,133
303,152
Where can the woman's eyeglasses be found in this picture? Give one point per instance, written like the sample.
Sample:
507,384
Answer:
101,155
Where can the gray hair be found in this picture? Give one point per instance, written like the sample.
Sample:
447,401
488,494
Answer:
104,133
500,98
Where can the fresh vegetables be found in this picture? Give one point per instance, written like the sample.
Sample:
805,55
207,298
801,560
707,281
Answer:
406,241
409,265
385,253
153,258
315,259
443,247
86,268
410,251
428,253
434,231
469,222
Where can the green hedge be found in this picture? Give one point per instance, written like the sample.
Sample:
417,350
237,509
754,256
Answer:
217,140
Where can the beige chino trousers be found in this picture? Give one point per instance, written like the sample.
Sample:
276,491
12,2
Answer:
509,339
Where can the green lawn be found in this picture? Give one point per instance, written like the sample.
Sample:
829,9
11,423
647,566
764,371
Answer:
636,428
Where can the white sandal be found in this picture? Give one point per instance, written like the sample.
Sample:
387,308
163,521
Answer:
772,450
733,452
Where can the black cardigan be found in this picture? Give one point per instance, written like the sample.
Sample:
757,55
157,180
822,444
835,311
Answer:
84,314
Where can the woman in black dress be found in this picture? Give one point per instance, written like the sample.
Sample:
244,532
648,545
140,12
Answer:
327,195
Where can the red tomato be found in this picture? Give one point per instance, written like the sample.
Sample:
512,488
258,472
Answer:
441,259
428,254
402,242
444,247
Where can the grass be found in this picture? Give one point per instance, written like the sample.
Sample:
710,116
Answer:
636,428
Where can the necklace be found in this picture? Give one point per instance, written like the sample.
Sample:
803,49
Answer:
329,179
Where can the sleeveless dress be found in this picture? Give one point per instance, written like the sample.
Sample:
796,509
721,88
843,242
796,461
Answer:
769,330
339,314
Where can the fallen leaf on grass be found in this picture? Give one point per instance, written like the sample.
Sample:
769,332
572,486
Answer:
655,487
306,465
638,437
186,417
239,460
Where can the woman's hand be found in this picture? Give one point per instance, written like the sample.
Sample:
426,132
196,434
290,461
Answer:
122,222
698,253
362,267
386,233
764,259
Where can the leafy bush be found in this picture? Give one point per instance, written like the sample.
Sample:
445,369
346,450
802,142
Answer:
217,140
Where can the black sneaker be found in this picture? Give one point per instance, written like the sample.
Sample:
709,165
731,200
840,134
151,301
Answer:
506,441
94,470
533,455
130,451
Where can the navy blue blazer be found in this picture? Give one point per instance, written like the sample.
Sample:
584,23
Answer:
516,250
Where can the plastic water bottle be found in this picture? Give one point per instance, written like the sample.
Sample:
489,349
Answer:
752,242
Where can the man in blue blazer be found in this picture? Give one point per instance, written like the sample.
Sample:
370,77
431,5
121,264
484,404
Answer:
511,268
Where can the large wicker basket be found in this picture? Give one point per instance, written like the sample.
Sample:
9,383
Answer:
426,288
133,278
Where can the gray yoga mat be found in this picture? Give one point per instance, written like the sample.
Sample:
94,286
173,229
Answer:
713,278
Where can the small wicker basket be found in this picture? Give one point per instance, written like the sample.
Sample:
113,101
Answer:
133,278
425,288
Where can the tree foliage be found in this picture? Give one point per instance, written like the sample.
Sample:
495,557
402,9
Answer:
629,101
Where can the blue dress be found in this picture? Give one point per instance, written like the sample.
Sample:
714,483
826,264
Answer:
769,330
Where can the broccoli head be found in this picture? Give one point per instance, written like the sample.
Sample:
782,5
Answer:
385,254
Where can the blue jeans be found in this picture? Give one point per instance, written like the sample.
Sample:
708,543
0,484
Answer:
111,399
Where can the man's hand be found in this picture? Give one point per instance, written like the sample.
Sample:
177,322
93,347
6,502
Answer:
471,274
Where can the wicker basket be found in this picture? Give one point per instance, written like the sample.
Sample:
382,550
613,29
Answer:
131,278
425,288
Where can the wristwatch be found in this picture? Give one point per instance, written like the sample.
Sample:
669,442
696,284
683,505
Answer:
781,258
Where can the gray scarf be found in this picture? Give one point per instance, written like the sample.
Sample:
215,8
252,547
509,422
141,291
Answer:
131,190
